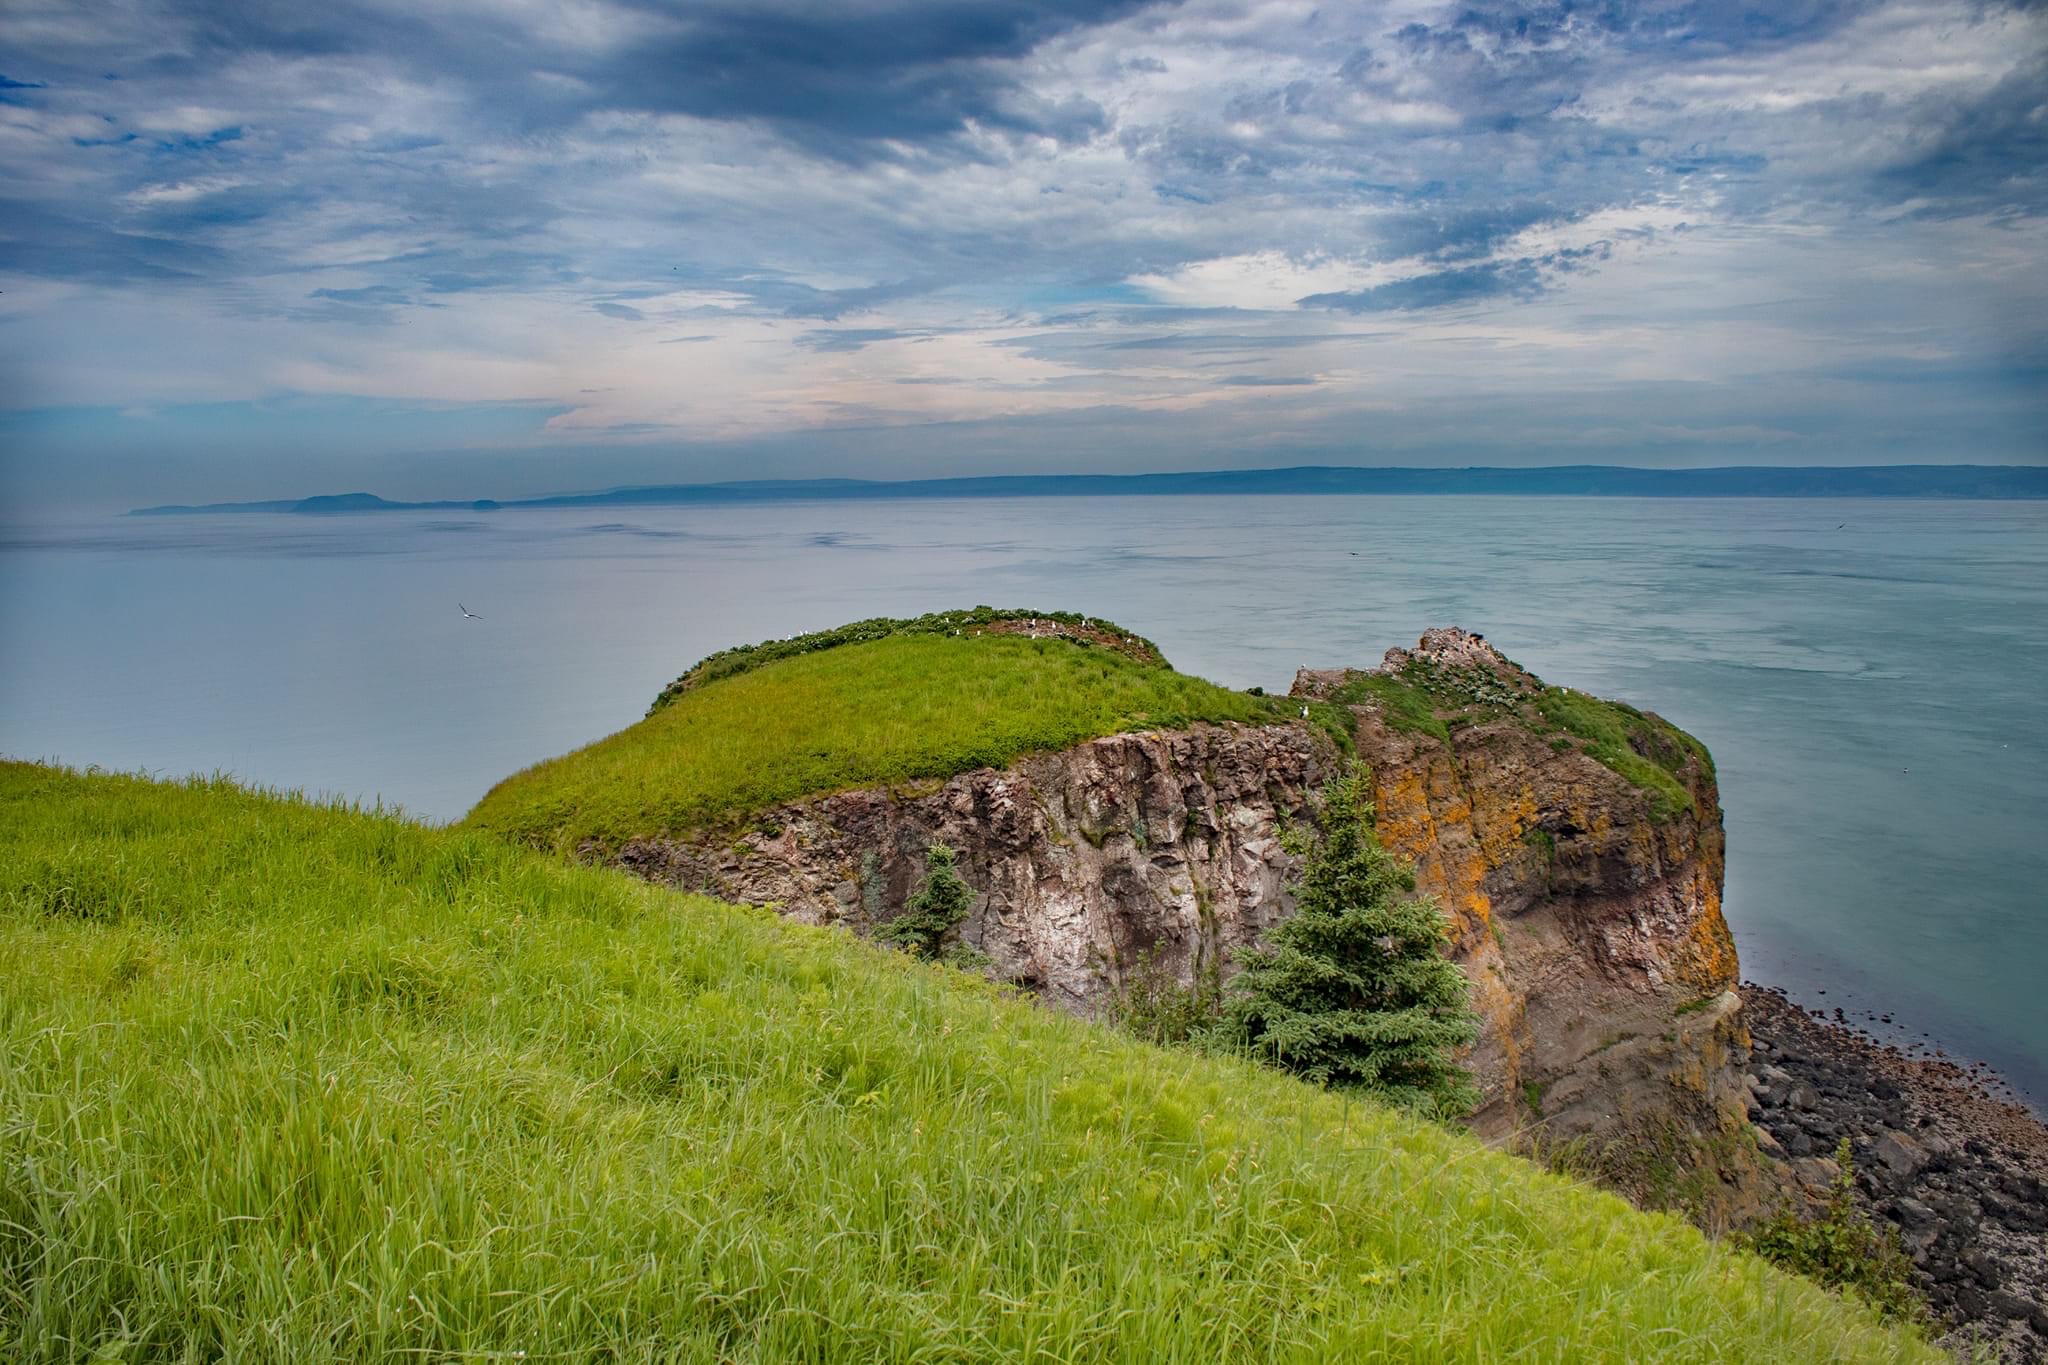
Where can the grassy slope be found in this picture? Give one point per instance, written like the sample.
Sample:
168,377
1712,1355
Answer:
865,714
281,1082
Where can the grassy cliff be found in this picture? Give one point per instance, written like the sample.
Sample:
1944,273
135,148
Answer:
876,703
281,1081
1426,697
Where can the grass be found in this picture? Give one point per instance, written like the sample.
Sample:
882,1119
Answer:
1403,705
978,620
282,1081
887,710
1650,753
1428,698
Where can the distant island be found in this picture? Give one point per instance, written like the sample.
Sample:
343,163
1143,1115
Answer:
1590,480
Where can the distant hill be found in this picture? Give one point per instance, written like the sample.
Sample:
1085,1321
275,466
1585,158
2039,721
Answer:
1588,480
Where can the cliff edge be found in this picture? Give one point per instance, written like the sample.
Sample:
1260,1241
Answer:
1575,844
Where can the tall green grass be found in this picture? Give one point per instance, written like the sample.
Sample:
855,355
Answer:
864,714
285,1082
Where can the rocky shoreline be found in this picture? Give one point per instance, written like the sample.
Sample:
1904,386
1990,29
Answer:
1961,1173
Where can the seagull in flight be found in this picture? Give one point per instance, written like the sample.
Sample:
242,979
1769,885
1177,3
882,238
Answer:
468,614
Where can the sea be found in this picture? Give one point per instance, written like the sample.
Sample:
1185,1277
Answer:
1871,675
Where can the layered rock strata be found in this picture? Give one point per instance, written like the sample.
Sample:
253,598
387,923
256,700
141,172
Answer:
1161,847
1588,919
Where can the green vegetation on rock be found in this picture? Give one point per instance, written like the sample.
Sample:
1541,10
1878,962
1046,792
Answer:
1648,752
939,905
979,620
1151,1002
282,1081
1427,697
1843,1249
1403,704
888,710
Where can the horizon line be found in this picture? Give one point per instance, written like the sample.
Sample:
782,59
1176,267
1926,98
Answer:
1995,482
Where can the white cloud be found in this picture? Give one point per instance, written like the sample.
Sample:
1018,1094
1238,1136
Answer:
1259,280
182,191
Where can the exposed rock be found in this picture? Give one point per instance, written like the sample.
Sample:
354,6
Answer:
1447,645
1592,931
1957,1171
1900,1154
1162,845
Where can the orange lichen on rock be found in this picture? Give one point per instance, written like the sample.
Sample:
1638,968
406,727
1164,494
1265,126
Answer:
1586,918
1708,960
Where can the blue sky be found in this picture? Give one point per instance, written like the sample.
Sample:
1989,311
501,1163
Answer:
258,248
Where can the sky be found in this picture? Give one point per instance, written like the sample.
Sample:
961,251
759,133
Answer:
266,248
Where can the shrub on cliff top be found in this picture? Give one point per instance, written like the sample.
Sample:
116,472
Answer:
1353,991
1842,1249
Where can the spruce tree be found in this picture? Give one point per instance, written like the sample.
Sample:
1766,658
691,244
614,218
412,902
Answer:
1354,991
941,901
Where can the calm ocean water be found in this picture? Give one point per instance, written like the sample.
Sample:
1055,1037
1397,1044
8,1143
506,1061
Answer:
1871,676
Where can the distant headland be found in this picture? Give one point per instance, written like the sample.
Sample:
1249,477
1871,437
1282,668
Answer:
1730,481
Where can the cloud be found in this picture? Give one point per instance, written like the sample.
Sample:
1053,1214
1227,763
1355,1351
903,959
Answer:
838,77
1466,284
1260,280
843,339
1090,215
1987,154
378,294
1518,278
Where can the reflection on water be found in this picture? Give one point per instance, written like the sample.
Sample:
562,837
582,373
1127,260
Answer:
1873,694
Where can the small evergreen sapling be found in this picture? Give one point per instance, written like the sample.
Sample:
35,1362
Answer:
1354,991
941,901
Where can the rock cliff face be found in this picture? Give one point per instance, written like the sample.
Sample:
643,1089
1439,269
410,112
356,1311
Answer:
1163,844
1587,913
1585,904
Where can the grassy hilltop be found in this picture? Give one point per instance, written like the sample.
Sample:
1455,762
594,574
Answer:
873,703
283,1081
889,701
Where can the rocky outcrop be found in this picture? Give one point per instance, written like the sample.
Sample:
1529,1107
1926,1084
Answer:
1159,848
1588,919
1585,907
1962,1175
